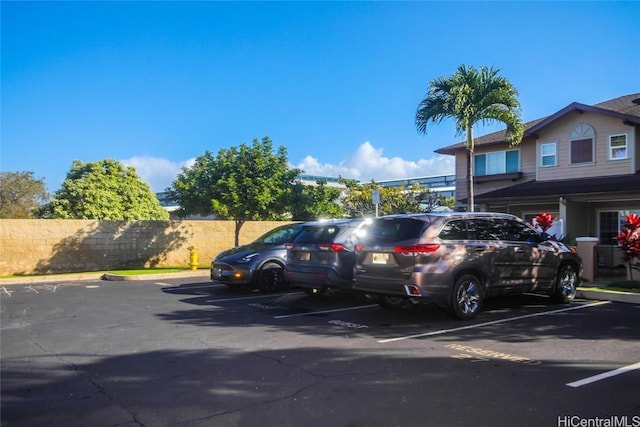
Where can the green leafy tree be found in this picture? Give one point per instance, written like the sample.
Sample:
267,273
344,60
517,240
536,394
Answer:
104,190
311,202
449,202
20,194
245,183
358,202
471,96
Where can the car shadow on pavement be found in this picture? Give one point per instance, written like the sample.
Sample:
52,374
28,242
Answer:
309,386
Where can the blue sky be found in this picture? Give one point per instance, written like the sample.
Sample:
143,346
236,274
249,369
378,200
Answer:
155,84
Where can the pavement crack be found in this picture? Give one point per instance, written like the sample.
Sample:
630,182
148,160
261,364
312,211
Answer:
307,371
96,385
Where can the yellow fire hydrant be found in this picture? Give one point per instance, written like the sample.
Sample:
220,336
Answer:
193,258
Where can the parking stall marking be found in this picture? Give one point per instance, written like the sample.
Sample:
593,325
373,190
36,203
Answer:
604,375
265,306
493,322
477,354
349,325
310,313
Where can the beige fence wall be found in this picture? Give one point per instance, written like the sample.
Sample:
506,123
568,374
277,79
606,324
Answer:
32,246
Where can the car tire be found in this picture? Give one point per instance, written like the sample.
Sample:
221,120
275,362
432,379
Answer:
466,297
393,303
566,285
270,277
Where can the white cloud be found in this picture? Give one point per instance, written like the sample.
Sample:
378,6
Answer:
369,163
159,173
366,163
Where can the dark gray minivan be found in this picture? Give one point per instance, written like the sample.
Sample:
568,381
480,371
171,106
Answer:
458,259
322,256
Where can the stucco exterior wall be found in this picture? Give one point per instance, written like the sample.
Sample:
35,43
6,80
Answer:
31,246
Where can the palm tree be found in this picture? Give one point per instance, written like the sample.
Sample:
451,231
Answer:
471,96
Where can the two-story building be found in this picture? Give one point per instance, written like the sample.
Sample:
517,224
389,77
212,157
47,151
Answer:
581,164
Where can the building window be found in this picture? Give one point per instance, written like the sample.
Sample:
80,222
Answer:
617,147
497,162
582,151
582,138
610,224
548,154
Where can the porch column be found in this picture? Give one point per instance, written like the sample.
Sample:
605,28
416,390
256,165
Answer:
562,212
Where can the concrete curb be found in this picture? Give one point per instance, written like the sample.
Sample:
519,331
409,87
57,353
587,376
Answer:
159,276
52,278
102,276
603,295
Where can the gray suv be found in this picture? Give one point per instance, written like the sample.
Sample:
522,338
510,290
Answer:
322,256
457,260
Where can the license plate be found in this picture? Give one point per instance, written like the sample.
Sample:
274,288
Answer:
380,258
304,256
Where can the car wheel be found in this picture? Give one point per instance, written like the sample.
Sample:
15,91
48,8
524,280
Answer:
466,298
393,303
566,284
270,277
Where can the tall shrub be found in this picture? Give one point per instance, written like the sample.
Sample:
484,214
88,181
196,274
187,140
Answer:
629,240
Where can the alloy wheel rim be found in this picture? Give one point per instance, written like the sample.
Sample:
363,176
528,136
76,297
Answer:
568,283
468,298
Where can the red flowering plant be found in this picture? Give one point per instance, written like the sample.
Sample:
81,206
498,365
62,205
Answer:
544,221
629,240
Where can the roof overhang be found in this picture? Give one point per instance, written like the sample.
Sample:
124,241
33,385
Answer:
579,108
625,108
605,188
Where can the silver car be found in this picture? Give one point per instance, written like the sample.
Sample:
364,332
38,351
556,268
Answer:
457,260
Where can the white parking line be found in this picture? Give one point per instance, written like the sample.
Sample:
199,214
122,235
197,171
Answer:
494,322
604,375
324,311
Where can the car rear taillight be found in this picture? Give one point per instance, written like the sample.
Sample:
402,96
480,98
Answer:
333,247
412,290
417,249
289,245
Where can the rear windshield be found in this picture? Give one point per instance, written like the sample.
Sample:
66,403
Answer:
318,234
395,230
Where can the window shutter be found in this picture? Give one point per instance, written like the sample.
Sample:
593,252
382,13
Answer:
582,151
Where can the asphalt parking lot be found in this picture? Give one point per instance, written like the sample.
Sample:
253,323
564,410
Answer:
185,352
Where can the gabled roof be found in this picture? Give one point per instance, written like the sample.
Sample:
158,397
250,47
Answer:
618,184
625,108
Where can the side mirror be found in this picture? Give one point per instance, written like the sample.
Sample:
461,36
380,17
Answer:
534,240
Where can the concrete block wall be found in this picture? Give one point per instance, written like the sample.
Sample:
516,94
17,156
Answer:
34,246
